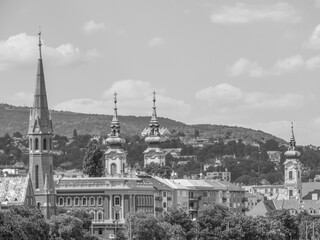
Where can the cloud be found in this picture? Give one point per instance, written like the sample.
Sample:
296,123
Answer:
245,66
294,63
314,39
243,13
156,42
224,91
22,50
134,98
92,27
227,97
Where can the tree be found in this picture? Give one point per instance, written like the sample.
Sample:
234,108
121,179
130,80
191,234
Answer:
17,135
211,220
142,226
156,169
23,223
92,164
181,218
66,227
83,215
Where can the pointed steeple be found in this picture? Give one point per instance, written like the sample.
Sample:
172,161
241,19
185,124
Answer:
115,124
115,140
292,139
40,120
154,123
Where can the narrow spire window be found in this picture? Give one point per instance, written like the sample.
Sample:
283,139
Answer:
36,144
37,176
44,144
30,144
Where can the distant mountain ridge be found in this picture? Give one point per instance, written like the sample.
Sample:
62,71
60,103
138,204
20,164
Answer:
16,119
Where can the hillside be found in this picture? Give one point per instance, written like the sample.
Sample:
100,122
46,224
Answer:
15,119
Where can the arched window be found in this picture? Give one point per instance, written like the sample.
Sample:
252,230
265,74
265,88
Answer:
30,144
113,168
290,193
37,176
38,205
92,215
100,216
44,144
290,174
36,144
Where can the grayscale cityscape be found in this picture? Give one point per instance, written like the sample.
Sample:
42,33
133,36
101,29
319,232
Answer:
160,120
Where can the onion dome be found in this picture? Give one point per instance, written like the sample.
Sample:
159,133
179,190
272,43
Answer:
115,138
292,152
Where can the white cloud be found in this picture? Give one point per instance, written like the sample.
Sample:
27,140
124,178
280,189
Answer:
134,98
314,39
156,42
229,98
92,27
245,66
22,49
294,63
224,91
243,13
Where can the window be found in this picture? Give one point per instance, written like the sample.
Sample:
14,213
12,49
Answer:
205,194
68,201
117,216
76,201
99,201
36,144
38,205
117,201
100,231
113,168
44,144
290,174
290,193
164,205
84,201
92,201
100,216
37,176
92,215
61,201
164,194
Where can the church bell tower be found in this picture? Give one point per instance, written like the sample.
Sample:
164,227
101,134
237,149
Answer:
40,135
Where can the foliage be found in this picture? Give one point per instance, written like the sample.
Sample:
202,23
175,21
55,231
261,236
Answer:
23,223
92,163
156,169
66,227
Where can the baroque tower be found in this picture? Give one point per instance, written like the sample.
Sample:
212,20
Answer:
292,170
154,153
40,135
115,156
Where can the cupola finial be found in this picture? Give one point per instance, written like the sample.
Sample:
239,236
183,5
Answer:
292,140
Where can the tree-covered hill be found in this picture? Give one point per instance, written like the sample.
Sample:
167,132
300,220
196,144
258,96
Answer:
15,119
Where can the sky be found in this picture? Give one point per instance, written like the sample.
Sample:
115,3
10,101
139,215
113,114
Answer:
245,63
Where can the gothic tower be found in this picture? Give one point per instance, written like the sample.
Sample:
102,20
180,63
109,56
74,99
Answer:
292,167
40,135
115,156
154,153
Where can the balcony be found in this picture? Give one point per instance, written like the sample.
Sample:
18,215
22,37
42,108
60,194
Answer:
244,199
159,209
158,198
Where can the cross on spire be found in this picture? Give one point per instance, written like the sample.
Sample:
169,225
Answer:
40,44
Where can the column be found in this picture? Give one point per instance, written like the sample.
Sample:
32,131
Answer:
122,206
110,206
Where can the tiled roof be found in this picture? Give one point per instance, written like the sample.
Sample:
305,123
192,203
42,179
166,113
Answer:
309,187
172,183
13,189
262,208
231,186
156,183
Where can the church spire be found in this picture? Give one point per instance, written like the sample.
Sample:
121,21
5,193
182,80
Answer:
154,123
115,139
292,139
40,116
